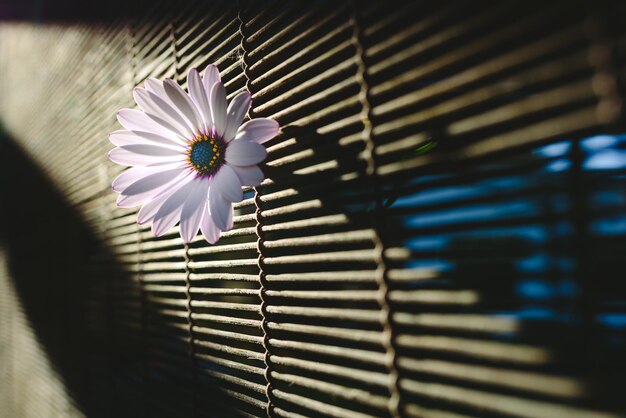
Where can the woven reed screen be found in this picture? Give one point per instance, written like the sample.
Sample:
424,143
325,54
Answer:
441,232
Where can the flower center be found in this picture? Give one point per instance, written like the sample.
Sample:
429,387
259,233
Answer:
206,154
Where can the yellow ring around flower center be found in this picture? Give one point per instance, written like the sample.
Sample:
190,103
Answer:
206,154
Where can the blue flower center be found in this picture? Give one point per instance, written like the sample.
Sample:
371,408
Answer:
206,154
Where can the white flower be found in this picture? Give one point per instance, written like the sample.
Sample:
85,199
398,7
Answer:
190,154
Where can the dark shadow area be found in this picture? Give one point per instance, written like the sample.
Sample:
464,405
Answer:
99,13
50,253
76,11
535,236
62,11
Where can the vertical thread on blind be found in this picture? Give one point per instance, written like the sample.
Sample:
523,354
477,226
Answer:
394,404
264,304
190,324
267,360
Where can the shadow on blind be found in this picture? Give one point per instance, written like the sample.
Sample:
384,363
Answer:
441,232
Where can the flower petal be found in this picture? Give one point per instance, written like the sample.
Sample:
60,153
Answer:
151,181
230,216
148,187
219,208
192,213
149,210
249,175
128,177
258,130
210,231
136,120
237,110
155,86
218,107
177,99
199,97
211,76
121,138
161,112
143,155
227,184
183,104
169,213
244,153
155,150
132,175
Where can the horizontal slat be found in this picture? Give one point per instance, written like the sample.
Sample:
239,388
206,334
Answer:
352,394
318,407
367,378
347,334
498,403
489,350
532,382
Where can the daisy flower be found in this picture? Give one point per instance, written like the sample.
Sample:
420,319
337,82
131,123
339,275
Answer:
189,154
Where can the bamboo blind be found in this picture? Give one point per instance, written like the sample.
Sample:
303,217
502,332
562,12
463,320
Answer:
429,240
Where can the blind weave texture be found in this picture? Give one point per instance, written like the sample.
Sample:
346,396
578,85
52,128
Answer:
435,237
